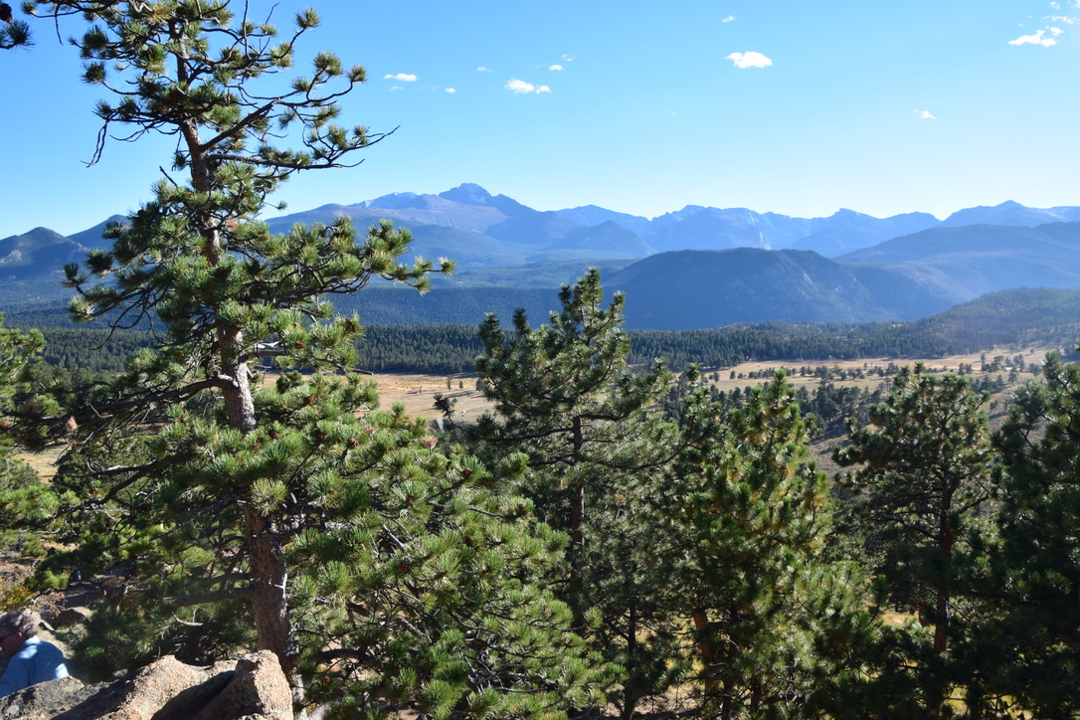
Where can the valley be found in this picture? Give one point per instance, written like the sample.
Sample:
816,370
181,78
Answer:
463,454
417,391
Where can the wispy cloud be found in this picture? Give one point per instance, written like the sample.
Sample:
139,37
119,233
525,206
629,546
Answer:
729,18
924,114
570,58
403,77
749,60
451,90
1036,39
483,69
556,66
520,87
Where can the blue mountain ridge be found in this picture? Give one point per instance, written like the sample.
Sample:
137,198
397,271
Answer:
737,264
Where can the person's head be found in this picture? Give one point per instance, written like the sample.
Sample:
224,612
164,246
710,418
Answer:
15,627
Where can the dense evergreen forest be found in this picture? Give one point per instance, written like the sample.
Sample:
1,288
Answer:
702,562
1018,318
606,539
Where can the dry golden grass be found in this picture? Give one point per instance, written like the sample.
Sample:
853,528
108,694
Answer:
951,363
44,462
417,393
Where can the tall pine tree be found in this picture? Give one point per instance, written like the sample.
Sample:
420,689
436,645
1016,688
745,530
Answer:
923,472
381,573
194,260
1032,642
741,541
25,502
564,396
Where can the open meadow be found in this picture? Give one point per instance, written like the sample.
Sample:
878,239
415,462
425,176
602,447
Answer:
417,391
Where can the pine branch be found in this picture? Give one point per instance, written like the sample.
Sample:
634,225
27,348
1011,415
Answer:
243,593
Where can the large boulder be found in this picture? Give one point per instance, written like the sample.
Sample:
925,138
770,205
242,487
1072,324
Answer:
167,689
38,702
258,689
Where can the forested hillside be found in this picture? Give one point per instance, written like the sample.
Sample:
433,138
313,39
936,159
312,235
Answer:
1017,317
681,483
716,267
607,538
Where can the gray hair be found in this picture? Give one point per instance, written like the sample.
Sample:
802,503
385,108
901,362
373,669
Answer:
19,621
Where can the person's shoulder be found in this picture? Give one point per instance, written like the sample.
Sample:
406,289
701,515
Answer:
30,647
36,645
42,642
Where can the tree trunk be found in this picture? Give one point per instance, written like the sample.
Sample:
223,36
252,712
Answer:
236,391
946,542
577,532
269,602
941,601
577,493
701,622
630,693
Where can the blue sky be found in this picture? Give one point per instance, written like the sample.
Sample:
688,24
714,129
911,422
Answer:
774,105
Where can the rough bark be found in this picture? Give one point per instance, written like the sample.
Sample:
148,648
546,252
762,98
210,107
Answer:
269,598
577,531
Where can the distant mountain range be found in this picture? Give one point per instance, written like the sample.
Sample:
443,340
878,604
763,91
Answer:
697,267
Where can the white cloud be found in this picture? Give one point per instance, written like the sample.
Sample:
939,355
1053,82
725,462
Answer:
451,90
729,18
749,60
1068,20
924,114
1055,31
482,69
570,58
555,67
1036,39
403,77
520,87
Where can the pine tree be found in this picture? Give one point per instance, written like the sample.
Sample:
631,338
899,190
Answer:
1033,640
923,471
742,543
17,350
194,259
25,502
381,573
13,32
565,397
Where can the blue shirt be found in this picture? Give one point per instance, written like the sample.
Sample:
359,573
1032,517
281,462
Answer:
36,662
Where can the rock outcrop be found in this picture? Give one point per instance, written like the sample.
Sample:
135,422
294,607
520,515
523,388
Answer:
167,689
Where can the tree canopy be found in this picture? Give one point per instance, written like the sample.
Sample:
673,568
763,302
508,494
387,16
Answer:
294,516
606,535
